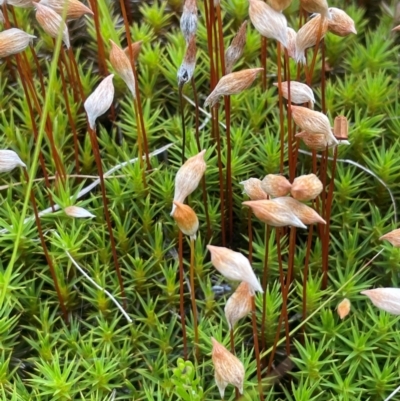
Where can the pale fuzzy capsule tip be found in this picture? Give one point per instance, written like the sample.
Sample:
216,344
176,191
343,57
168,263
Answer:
9,160
393,237
340,23
239,304
235,50
134,50
19,3
387,299
316,6
308,35
228,368
311,121
231,84
188,177
78,212
279,5
14,41
252,188
276,214
268,22
344,308
100,100
122,66
51,22
276,185
299,93
75,8
186,219
306,187
304,213
291,46
234,266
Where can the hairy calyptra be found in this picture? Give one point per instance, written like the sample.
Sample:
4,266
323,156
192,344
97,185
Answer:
235,50
316,6
14,41
344,308
268,22
291,42
188,177
100,100
340,23
234,266
274,213
393,237
239,304
135,50
186,219
306,187
313,141
252,188
228,368
314,122
122,66
9,160
275,185
308,35
52,23
231,84
78,212
387,299
75,8
299,93
306,214
279,5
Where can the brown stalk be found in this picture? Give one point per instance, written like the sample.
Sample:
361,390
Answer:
227,104
76,74
137,92
325,248
7,26
305,273
25,70
292,245
213,78
232,339
96,152
314,59
183,125
197,135
281,123
220,172
24,82
264,56
256,348
181,293
35,130
264,286
283,314
69,114
323,78
193,298
250,232
100,44
212,34
46,252
292,165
